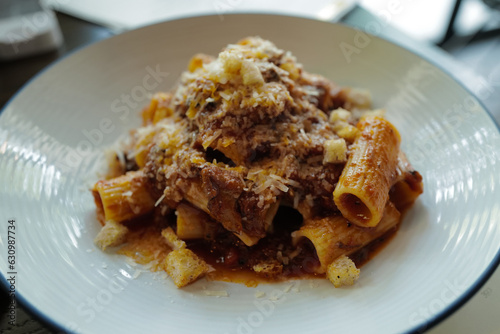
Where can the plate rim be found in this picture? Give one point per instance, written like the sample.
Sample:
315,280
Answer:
420,328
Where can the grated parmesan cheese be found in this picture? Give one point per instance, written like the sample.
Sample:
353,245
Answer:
216,293
160,200
260,294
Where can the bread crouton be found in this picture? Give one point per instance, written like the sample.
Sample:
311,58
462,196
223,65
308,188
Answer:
268,269
172,239
335,151
111,234
184,267
348,132
342,272
340,114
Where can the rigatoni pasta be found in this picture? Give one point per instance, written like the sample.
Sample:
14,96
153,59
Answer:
123,198
253,169
363,188
349,238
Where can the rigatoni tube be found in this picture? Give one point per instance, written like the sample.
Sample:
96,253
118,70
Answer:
122,198
191,222
334,236
363,188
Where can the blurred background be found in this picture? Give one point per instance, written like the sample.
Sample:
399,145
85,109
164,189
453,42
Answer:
31,37
462,36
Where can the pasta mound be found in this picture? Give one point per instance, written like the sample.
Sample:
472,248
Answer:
253,164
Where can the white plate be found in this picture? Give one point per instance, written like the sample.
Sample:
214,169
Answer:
51,143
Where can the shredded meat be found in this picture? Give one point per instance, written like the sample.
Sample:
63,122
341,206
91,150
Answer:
223,188
242,132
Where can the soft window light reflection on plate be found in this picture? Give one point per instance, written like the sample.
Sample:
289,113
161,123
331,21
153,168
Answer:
125,273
